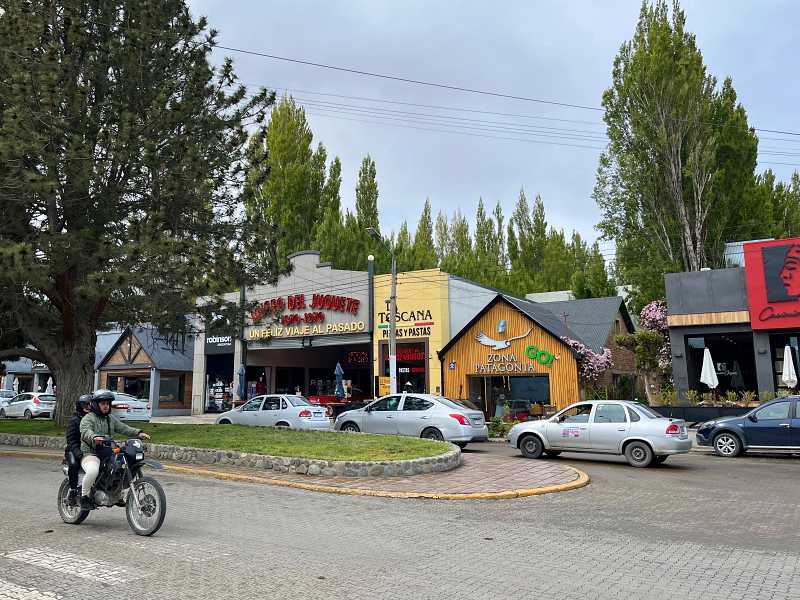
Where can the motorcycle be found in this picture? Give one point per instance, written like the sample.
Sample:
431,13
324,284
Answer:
120,483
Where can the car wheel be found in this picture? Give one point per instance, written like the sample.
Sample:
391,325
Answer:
552,453
727,445
660,460
28,415
431,433
531,446
225,422
349,427
638,454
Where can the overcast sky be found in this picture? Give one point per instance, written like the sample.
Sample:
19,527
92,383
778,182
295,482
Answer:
552,50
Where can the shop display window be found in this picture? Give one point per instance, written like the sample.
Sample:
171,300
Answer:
412,366
170,390
733,357
778,343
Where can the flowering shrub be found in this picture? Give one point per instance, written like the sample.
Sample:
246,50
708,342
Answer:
654,316
591,365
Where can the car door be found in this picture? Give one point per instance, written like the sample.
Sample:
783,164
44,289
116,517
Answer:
570,428
382,416
609,427
414,415
771,425
17,404
248,413
795,429
269,415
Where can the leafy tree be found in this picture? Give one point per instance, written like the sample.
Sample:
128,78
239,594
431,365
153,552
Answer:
460,259
404,249
121,149
442,233
367,195
424,250
593,281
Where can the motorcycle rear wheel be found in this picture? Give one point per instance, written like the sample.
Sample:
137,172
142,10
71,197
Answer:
153,501
71,515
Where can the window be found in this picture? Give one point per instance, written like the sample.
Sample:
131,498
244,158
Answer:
413,403
299,401
609,413
386,404
283,404
633,415
648,412
113,383
169,390
458,404
272,403
779,410
254,404
576,414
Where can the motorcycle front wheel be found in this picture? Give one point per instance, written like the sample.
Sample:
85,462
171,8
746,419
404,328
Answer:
146,516
71,515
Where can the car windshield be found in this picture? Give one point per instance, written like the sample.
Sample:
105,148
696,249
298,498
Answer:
648,412
298,401
457,404
47,398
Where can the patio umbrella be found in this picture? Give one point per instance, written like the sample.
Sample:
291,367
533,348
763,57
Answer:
789,375
708,375
15,385
49,388
339,372
242,387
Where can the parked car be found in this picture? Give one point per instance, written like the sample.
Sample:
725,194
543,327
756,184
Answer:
774,426
5,397
606,427
278,410
417,415
29,405
127,408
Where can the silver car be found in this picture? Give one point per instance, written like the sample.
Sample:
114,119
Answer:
278,410
29,405
418,415
5,397
127,408
606,427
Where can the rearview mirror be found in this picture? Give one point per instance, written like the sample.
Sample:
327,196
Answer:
753,418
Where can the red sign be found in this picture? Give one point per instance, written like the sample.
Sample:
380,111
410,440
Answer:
319,302
410,354
772,270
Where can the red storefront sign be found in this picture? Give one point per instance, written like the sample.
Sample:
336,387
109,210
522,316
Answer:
319,302
772,270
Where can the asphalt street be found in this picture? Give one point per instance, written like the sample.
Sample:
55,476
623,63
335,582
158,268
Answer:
698,526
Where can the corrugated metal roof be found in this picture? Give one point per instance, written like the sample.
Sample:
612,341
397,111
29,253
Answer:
591,318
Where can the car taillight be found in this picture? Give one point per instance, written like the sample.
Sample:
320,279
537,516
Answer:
304,413
673,429
460,418
35,400
122,406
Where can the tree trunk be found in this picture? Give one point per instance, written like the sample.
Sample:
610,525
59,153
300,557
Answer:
74,375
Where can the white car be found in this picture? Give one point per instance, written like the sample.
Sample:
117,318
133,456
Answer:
418,415
5,397
278,410
127,408
29,405
619,427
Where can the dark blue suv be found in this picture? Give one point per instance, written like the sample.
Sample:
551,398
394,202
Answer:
772,426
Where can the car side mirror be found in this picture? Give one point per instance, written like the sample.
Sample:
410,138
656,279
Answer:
753,418
367,409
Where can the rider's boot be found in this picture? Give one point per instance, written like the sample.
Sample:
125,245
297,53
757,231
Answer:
86,503
72,497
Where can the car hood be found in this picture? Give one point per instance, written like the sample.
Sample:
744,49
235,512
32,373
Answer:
737,420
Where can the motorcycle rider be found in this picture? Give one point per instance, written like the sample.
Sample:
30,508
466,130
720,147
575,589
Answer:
97,424
72,453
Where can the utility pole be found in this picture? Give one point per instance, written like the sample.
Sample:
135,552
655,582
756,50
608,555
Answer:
375,234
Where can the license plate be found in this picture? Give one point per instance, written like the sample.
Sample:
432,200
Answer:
317,414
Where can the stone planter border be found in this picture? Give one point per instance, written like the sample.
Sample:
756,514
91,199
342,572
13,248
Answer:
280,464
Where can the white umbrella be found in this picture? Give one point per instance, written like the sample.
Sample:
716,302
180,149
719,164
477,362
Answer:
789,375
15,385
708,375
49,388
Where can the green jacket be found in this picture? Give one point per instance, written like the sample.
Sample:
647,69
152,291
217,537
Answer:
93,425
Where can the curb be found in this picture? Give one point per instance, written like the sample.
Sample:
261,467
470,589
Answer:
582,480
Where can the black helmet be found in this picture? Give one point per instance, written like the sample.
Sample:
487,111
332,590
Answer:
98,397
82,403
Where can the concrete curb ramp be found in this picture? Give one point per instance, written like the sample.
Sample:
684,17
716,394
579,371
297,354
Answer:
581,480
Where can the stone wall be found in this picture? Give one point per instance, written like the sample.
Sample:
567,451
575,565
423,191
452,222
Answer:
280,464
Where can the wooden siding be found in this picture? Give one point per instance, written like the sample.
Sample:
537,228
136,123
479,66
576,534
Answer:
717,318
129,352
468,353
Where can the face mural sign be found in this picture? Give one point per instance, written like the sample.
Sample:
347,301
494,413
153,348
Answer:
773,283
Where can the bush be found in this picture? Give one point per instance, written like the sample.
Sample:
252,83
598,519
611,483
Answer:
500,428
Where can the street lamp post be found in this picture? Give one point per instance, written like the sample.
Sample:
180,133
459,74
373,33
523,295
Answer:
375,234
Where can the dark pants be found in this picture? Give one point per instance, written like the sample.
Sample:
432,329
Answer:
73,467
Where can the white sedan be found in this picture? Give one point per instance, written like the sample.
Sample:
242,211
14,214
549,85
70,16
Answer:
127,408
278,410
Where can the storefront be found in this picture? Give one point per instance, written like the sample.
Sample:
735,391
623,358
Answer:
150,367
745,316
511,354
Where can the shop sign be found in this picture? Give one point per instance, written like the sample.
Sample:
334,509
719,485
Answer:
408,323
219,344
310,310
509,363
280,331
772,271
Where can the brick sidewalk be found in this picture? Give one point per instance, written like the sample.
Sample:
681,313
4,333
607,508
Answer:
479,474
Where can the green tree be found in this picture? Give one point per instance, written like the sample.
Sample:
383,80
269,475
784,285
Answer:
119,156
424,250
442,233
676,180
286,180
593,281
367,195
404,249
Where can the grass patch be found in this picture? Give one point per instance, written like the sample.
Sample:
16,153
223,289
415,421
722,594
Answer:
266,440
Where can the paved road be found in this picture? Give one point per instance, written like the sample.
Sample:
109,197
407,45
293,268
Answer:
695,526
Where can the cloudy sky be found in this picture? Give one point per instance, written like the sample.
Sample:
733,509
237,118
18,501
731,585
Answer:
550,50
